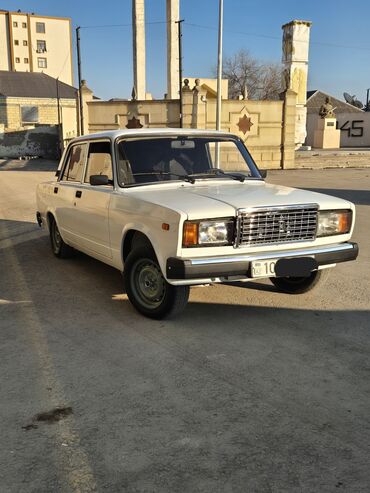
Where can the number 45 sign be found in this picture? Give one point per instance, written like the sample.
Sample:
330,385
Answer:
353,129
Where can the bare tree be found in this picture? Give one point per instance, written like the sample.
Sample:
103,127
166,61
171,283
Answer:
251,78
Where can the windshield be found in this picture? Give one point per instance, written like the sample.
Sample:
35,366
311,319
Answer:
157,159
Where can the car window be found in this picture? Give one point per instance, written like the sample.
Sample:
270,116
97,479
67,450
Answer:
99,160
73,170
157,159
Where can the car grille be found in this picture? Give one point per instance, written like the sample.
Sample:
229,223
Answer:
276,225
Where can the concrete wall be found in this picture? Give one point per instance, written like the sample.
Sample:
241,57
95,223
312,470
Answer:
355,129
109,115
36,142
269,130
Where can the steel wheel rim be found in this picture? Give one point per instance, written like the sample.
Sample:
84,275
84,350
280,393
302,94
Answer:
148,284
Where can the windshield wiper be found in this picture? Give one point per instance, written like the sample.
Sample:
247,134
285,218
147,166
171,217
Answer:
219,172
187,178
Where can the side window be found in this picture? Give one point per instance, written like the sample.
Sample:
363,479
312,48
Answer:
75,163
99,161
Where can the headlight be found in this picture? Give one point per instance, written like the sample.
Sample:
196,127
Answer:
334,222
215,232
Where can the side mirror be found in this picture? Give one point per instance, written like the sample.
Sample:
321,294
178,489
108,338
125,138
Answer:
97,180
263,173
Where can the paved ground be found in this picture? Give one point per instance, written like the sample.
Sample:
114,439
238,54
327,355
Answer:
248,391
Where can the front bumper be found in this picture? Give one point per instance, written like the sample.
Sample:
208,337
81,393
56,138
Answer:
240,265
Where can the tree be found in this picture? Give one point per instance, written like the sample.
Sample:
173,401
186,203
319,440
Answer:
251,78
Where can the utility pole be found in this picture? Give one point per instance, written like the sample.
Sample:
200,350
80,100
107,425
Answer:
79,80
219,64
180,70
60,130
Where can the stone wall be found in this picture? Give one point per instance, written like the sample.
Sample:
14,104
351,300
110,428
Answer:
267,127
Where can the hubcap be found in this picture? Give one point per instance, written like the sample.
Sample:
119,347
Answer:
148,283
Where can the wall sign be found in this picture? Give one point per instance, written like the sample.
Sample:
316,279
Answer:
353,129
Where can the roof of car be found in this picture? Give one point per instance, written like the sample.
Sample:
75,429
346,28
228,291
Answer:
138,132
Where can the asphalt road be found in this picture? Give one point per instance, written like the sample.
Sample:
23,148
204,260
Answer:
248,391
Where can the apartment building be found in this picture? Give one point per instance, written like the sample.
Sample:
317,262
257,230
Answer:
36,43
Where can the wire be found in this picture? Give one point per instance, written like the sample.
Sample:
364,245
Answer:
331,45
120,25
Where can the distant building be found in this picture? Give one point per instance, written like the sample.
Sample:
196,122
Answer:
34,43
353,123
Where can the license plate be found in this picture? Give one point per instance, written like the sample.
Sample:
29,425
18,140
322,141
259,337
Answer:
263,268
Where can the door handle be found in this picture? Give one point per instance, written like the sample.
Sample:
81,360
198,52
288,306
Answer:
55,189
78,193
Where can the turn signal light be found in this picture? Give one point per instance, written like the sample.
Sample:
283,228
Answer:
345,220
190,237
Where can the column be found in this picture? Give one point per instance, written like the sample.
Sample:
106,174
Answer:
296,38
138,29
173,14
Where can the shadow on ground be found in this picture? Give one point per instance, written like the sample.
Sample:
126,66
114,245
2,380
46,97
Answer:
239,396
358,197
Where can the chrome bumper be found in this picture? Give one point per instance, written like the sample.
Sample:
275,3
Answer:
240,265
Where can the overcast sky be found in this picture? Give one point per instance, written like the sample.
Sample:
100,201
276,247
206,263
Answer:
339,50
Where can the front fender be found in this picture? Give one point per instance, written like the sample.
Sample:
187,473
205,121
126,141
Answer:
164,242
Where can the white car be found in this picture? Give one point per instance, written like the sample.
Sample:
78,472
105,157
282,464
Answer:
174,208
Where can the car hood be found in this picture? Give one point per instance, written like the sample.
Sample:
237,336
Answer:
223,198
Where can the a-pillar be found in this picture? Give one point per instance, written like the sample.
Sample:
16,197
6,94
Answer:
138,28
296,38
173,13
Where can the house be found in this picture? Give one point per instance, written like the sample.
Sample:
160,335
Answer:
35,103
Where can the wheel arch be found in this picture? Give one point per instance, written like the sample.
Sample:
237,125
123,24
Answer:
134,238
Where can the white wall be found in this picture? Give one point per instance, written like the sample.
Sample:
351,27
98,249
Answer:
355,130
4,43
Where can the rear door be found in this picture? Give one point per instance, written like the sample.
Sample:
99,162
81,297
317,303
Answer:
92,202
65,192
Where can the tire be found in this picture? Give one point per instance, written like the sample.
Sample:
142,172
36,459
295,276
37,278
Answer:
299,285
60,249
148,290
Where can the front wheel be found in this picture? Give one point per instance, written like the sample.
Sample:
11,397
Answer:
298,285
148,290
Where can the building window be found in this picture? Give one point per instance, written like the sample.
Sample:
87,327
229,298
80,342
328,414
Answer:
25,42
42,63
16,42
40,27
24,25
17,60
41,46
30,114
26,60
15,24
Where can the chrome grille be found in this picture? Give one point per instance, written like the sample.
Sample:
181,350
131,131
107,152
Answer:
263,226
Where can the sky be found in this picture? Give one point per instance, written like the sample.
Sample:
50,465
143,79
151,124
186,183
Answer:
339,48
